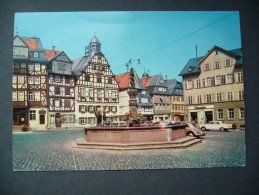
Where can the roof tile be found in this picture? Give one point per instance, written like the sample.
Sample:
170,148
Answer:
123,80
49,54
145,81
31,43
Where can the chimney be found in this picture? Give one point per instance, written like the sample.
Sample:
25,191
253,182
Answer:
53,50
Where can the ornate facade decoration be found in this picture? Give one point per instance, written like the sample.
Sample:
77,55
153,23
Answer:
133,95
95,87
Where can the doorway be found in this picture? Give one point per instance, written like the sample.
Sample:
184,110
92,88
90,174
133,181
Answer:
208,116
58,120
42,119
194,117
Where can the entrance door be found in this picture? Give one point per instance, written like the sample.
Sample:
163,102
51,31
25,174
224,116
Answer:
52,119
42,119
208,116
58,120
194,117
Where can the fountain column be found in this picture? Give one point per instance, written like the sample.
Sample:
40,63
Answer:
132,94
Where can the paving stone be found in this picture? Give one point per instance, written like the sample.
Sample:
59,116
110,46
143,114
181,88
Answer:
52,151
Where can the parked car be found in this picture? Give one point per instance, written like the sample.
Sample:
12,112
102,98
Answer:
166,122
193,130
216,125
119,124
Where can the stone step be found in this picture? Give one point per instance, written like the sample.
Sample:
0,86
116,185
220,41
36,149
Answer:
82,141
17,128
181,143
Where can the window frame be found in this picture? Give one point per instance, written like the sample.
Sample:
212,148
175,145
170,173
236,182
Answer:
231,111
241,113
30,96
219,114
32,115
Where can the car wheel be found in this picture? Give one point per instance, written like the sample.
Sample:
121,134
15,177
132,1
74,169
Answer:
221,129
203,128
191,134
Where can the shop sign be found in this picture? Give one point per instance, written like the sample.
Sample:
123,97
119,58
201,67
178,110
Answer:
199,107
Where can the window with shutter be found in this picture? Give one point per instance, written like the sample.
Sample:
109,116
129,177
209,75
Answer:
67,91
109,80
57,90
99,79
67,103
67,80
87,77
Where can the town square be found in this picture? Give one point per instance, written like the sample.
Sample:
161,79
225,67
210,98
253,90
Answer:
145,103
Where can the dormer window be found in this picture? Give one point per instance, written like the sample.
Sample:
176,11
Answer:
162,89
161,81
35,54
190,69
57,78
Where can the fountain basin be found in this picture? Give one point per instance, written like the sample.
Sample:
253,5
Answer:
128,135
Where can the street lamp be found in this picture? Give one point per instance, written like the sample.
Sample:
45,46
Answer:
129,63
101,109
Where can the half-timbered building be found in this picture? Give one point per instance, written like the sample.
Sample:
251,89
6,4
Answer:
96,88
160,96
61,90
19,82
144,105
37,83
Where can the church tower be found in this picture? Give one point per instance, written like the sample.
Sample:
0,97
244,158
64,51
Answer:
95,45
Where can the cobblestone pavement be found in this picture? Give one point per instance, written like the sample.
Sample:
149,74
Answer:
52,151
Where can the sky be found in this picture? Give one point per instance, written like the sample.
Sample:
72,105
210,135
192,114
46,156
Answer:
164,41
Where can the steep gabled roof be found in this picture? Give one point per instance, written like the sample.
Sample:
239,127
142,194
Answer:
22,43
172,85
153,81
49,54
60,54
193,65
81,63
123,81
145,81
220,49
32,43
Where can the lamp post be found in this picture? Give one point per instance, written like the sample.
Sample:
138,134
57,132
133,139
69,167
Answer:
101,109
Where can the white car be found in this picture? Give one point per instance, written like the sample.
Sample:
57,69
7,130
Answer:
216,125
